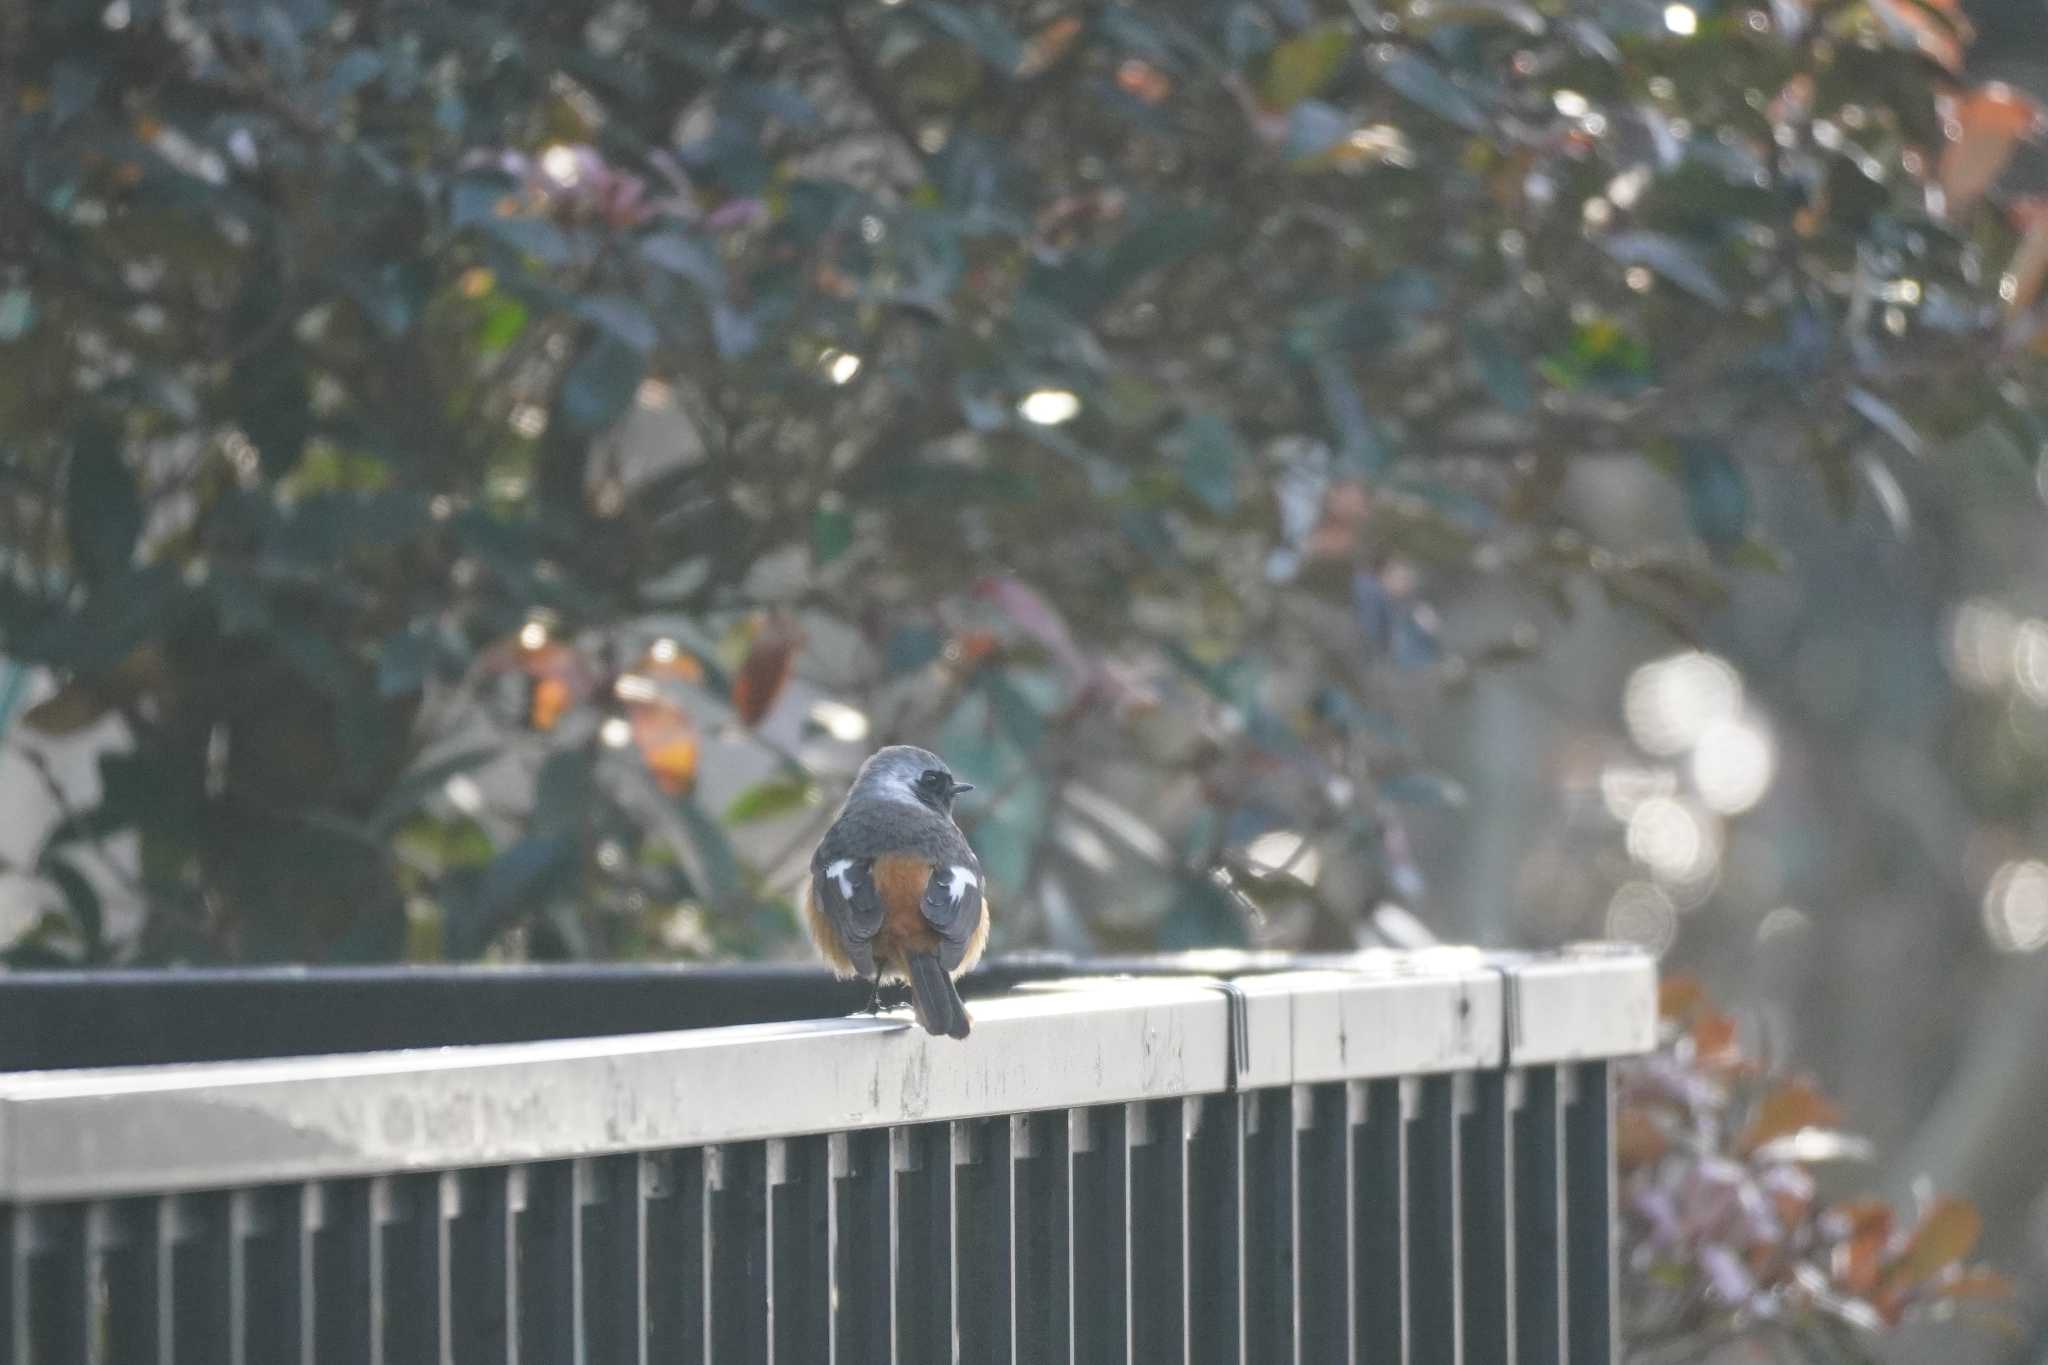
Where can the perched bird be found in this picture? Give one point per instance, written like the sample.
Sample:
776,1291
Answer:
895,892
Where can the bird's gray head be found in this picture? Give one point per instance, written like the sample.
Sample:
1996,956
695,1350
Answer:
905,773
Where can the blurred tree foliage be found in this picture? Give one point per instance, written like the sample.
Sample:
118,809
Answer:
1102,393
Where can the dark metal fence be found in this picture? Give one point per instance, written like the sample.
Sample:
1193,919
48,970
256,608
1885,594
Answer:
1395,1158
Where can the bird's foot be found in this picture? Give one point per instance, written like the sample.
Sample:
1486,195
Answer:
874,1005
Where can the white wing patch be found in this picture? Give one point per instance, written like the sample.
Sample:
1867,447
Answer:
959,881
837,872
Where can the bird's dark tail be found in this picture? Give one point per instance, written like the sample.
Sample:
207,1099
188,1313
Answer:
932,995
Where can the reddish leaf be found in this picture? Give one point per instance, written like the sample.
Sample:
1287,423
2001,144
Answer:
1859,1257
1947,1234
1679,994
1638,1141
765,672
1714,1040
1985,130
1792,1106
1048,45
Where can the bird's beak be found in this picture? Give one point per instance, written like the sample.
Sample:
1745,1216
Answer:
959,787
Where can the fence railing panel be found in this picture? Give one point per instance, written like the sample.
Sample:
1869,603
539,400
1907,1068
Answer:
1392,1163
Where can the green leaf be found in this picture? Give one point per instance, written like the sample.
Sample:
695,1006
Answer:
1158,241
1358,438
1716,495
17,314
1501,369
713,865
691,260
1207,453
102,507
1888,420
1303,65
831,534
515,882
504,321
1423,789
416,785
1417,80
979,29
81,900
1675,260
771,800
600,385
621,319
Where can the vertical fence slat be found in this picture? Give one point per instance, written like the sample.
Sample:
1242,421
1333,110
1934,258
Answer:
677,1270
861,1330
1379,1257
1156,1242
1539,1221
738,1253
1323,1197
1489,1210
1044,1258
921,1223
1215,1218
981,1240
1589,1216
552,1300
1267,1117
1433,1224
618,1279
1098,1181
799,1293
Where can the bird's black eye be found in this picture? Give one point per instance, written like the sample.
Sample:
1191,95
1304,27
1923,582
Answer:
933,780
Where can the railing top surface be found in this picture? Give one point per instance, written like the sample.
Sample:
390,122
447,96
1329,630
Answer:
101,1132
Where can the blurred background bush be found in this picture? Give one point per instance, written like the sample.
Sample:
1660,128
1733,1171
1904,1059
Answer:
477,476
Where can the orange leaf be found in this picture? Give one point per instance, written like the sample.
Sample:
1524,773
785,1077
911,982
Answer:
1048,45
1979,1283
1679,994
1986,128
1143,81
766,669
1941,42
667,741
665,660
551,699
1713,1039
1947,1234
1791,1107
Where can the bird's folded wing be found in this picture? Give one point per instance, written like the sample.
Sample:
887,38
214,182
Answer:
952,905
845,890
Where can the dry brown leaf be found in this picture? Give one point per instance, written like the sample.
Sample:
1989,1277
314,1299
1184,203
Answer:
765,672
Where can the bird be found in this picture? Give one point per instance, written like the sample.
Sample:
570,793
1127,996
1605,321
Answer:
895,891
